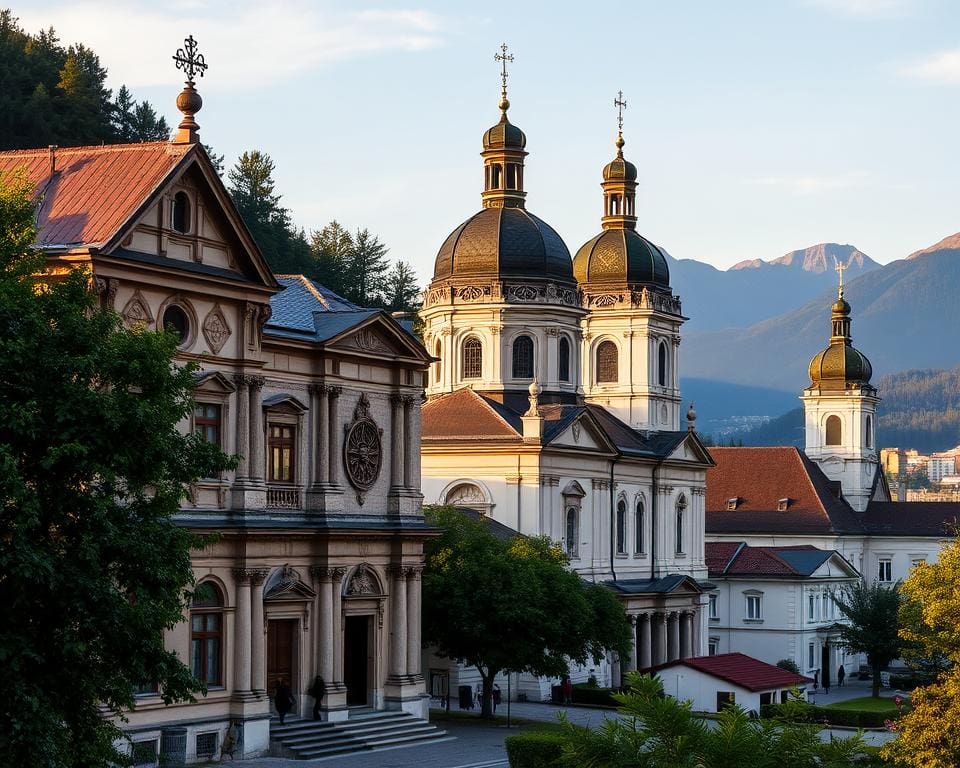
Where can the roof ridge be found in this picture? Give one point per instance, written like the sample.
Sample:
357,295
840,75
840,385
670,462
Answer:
733,558
86,148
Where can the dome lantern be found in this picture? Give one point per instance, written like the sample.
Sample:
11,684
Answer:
503,152
840,366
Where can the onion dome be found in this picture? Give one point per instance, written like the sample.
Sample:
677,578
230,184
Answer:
840,366
509,242
619,169
504,134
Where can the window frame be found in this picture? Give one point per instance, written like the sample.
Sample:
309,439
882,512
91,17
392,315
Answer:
639,537
281,444
680,510
203,421
607,364
571,533
751,598
662,362
713,612
471,352
563,359
830,438
621,527
523,353
885,560
187,213
204,635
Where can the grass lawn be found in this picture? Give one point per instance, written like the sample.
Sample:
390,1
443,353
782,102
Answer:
866,703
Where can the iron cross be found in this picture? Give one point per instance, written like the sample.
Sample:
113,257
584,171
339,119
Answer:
840,267
503,57
621,104
189,60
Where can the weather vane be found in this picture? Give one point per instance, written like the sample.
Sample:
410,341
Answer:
840,267
503,57
621,104
189,60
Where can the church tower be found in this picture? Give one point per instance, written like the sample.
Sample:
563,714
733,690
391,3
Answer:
631,334
840,410
502,312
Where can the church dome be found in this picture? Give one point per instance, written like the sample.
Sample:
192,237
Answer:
621,255
840,366
504,135
508,242
619,169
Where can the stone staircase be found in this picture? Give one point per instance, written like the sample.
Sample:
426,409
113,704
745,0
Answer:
364,731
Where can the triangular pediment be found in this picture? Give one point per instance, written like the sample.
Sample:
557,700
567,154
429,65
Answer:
583,433
690,449
379,335
214,382
834,567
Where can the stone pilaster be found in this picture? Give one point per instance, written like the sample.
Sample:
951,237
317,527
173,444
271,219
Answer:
398,624
243,427
413,622
242,636
258,654
396,443
257,432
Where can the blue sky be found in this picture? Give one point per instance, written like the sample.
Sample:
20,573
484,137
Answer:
757,127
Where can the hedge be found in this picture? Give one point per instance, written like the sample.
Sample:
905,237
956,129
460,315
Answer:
854,718
538,749
598,697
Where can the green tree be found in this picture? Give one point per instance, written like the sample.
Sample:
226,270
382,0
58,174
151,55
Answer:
655,731
873,629
512,606
367,269
331,250
92,468
402,293
87,106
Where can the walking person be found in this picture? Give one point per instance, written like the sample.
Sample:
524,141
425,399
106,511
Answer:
318,690
283,699
567,690
841,675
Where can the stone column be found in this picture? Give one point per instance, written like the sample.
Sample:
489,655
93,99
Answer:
257,435
243,426
325,622
321,433
409,449
337,575
632,659
396,442
645,660
660,656
673,641
333,441
616,670
241,668
413,621
398,624
258,653
686,635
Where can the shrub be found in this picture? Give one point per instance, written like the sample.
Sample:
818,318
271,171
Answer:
790,665
538,749
853,718
598,697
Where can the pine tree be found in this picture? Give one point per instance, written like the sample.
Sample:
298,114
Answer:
122,119
331,250
402,291
147,126
85,95
367,269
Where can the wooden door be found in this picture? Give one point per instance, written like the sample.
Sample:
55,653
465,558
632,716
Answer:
280,650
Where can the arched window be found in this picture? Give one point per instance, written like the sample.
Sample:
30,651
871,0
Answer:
834,430
563,354
621,527
206,634
572,530
607,372
638,528
472,358
662,364
175,320
180,216
681,509
869,436
436,365
523,357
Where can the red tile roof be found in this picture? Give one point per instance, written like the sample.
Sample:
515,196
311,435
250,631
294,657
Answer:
718,554
736,558
744,671
465,415
759,478
95,189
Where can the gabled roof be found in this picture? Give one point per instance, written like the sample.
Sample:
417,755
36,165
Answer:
742,670
738,559
497,529
465,415
758,479
664,585
95,189
911,518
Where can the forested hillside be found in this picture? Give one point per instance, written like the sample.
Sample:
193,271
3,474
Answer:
920,409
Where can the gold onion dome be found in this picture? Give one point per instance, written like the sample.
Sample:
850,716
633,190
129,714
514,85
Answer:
619,169
840,366
504,135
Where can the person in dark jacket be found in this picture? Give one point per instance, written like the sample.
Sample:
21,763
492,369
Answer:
841,675
318,690
283,699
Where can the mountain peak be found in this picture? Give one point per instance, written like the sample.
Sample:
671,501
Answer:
817,259
949,243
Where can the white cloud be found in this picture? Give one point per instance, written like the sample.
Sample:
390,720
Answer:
812,185
249,43
940,68
867,8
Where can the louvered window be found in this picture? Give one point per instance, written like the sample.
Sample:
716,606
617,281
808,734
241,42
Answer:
523,357
607,372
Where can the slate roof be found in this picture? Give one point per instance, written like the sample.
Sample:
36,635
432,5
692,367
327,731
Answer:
465,415
736,558
743,671
664,585
95,189
759,478
307,310
911,518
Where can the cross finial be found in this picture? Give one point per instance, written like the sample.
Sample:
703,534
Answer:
503,57
840,267
189,60
621,104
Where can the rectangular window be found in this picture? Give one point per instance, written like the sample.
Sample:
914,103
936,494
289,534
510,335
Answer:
917,561
207,744
206,422
884,569
144,753
811,654
713,646
810,608
754,606
282,447
205,651
713,607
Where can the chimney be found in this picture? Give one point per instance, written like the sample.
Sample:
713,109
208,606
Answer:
53,158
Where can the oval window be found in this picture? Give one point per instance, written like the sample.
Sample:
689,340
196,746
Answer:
175,320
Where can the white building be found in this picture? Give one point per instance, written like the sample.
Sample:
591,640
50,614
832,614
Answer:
776,603
553,405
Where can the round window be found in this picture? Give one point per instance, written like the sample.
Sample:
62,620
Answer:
175,320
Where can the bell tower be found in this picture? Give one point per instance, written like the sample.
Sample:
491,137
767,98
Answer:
840,411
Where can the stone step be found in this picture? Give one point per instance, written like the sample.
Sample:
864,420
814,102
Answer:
365,734
336,751
294,726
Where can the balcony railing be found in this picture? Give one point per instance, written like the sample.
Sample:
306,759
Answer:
283,497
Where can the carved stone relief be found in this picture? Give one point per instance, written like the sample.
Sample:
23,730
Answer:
215,329
137,312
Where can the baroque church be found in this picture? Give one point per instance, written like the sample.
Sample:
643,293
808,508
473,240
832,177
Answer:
831,496
316,570
553,405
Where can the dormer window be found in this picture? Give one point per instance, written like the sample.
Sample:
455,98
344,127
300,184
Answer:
180,215
782,505
733,503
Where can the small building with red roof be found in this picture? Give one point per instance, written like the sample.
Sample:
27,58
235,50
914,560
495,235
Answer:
713,682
